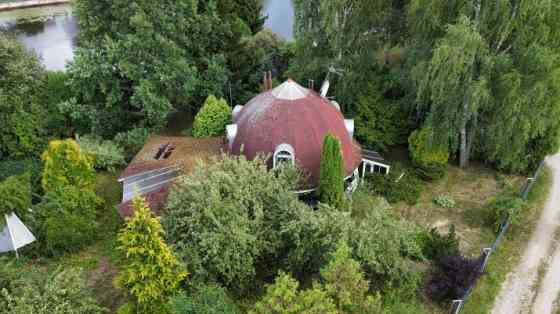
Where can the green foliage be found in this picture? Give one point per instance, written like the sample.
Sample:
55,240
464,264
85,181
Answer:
429,159
21,115
395,188
132,141
54,91
206,299
331,181
445,201
63,292
15,196
212,118
346,284
65,220
107,154
283,297
224,216
505,205
150,272
65,164
435,246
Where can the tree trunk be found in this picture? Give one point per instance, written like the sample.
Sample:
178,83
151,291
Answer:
463,152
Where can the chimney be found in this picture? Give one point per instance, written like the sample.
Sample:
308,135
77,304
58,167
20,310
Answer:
325,88
265,82
311,84
269,80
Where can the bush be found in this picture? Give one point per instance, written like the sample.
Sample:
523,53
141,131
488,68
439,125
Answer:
445,201
396,188
506,205
212,118
65,163
107,154
15,196
331,181
429,159
436,246
205,299
150,271
132,141
62,292
453,277
224,217
65,220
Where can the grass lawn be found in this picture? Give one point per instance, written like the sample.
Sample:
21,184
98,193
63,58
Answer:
471,188
510,251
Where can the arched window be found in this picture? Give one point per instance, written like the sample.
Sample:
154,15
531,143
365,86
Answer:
284,153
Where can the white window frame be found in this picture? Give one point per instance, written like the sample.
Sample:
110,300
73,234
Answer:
283,153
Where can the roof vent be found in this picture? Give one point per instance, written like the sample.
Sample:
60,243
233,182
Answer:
325,88
235,112
231,133
349,123
336,105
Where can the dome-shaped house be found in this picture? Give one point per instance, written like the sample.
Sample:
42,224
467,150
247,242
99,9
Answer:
289,124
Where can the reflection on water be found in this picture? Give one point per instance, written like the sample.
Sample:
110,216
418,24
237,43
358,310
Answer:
50,31
280,17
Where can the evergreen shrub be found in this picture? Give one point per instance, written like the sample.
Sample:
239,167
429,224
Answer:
212,118
331,181
429,159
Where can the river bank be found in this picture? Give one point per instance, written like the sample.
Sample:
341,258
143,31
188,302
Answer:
28,4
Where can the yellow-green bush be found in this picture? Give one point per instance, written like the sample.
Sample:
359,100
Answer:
212,119
430,159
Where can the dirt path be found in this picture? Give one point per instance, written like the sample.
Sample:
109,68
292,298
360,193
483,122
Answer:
518,291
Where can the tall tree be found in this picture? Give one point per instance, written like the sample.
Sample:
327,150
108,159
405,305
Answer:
331,181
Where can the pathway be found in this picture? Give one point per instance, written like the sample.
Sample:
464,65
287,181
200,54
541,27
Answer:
518,293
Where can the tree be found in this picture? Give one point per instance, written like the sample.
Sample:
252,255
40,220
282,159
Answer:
21,116
65,164
212,118
227,216
205,299
430,159
344,282
150,272
331,181
15,196
455,87
283,297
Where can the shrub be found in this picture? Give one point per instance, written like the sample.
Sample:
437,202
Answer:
15,196
452,278
212,118
150,271
436,246
65,163
397,186
132,141
445,201
331,181
429,159
65,220
205,299
224,217
107,154
507,204
62,292
283,297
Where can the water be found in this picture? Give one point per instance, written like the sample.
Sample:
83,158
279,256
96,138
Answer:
51,31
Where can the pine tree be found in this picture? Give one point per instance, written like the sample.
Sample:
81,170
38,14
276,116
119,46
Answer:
331,181
151,272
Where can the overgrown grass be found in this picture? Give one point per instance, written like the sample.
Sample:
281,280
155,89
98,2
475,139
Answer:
510,251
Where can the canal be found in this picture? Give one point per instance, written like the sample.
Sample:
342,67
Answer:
51,30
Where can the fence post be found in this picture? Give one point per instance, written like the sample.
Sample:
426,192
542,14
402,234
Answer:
456,306
486,253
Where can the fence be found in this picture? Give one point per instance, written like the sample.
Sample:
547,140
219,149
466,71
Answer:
457,305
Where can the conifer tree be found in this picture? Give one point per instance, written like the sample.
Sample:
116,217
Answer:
151,272
331,181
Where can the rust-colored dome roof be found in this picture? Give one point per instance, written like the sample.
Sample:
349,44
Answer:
296,116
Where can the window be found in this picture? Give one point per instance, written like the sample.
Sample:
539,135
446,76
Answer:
284,153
